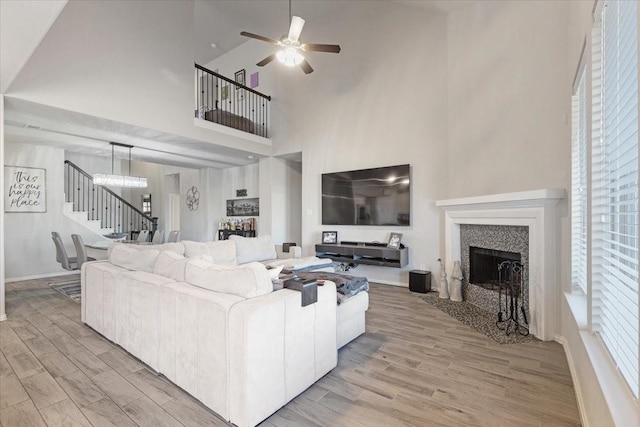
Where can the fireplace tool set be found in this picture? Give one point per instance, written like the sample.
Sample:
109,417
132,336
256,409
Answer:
510,301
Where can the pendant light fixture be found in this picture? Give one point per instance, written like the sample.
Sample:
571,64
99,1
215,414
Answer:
113,180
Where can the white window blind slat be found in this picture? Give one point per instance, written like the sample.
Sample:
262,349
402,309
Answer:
579,185
614,178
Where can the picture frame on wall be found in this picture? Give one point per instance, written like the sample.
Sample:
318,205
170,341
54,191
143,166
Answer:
394,240
243,207
25,189
241,77
329,237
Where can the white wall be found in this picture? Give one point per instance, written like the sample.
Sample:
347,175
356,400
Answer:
29,250
244,177
509,97
199,224
511,68
286,206
127,61
3,314
382,101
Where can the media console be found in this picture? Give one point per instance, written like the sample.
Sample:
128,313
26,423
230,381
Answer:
371,253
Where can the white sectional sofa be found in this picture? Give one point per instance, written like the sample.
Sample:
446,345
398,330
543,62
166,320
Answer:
215,327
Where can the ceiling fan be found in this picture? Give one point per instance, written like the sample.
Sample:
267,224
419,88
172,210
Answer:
290,54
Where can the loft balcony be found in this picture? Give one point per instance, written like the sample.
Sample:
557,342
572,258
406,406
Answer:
228,103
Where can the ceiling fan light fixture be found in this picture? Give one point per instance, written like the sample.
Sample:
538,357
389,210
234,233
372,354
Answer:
290,57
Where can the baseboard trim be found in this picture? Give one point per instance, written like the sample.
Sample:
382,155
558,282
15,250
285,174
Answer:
3,317
385,282
41,276
576,382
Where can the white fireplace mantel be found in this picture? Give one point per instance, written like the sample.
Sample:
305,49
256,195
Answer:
534,209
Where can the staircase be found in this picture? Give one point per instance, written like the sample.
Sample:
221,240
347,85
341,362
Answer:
99,209
82,218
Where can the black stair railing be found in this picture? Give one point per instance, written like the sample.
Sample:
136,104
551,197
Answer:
103,204
223,101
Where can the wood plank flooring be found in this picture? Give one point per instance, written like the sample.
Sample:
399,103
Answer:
415,366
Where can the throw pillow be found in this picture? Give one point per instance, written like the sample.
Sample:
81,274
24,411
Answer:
126,256
220,252
172,265
249,249
247,280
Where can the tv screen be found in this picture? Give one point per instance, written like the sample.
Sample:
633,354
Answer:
379,196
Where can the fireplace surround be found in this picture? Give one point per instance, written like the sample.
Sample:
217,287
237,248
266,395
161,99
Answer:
535,210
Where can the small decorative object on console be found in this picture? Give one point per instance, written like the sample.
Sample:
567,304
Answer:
394,240
456,282
444,288
329,237
286,246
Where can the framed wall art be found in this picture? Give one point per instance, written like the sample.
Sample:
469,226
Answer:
243,207
25,189
241,77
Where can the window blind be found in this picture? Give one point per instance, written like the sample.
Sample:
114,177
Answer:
615,302
579,185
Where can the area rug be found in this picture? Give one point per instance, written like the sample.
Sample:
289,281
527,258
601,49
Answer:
70,289
477,318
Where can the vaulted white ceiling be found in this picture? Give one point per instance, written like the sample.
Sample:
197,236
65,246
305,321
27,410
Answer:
26,23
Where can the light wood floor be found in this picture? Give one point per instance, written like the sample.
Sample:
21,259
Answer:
415,366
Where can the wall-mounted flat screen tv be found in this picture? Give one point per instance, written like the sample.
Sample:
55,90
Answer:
379,196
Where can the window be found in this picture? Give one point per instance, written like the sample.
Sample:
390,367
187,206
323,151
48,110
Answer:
614,179
579,184
146,204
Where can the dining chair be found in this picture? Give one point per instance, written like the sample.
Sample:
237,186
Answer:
174,236
158,237
143,236
68,263
81,250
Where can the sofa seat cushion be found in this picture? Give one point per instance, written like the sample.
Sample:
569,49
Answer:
126,256
221,252
172,265
353,306
250,249
246,281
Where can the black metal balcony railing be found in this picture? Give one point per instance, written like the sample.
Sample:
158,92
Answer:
103,204
223,101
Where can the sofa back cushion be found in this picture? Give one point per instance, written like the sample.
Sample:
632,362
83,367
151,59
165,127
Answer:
173,247
170,264
246,281
127,256
250,249
221,252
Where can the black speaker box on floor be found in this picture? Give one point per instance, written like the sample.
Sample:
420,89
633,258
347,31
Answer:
420,281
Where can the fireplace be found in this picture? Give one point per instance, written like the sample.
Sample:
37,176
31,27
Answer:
534,210
483,265
491,244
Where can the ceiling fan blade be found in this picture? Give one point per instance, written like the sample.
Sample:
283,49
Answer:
266,60
256,36
296,28
331,48
306,67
